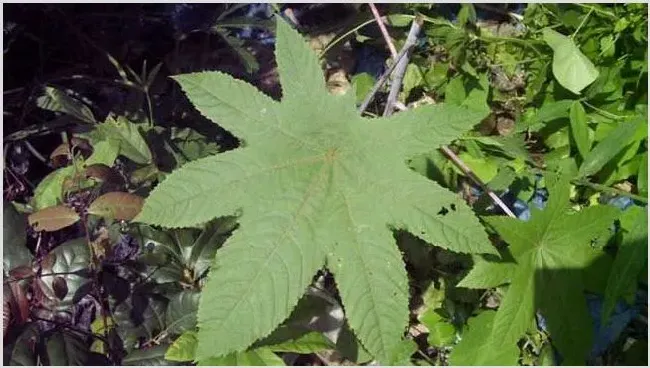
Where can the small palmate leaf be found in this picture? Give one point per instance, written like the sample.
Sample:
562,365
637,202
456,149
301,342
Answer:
314,184
549,253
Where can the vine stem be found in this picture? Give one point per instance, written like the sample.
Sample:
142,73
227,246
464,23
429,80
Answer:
384,31
415,28
610,190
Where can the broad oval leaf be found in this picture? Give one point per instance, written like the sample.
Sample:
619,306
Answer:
313,181
53,218
117,205
69,259
14,239
181,311
572,69
66,349
56,100
23,350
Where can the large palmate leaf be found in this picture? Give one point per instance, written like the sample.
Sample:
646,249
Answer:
313,184
548,257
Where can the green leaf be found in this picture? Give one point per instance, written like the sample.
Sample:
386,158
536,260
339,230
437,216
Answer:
247,57
571,68
609,147
49,192
476,348
14,239
301,185
261,356
550,251
104,152
413,78
181,311
69,257
455,91
441,332
206,245
554,110
489,271
127,135
21,352
632,256
154,356
399,20
467,14
642,176
183,348
66,348
485,168
401,354
350,347
295,340
362,83
476,99
192,144
579,128
59,101
140,316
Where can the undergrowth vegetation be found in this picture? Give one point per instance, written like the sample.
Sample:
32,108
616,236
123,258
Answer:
405,184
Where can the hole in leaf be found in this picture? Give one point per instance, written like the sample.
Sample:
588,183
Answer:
443,211
453,207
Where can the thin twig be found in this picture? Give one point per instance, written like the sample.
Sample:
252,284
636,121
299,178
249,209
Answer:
400,69
384,31
35,152
461,165
69,327
380,82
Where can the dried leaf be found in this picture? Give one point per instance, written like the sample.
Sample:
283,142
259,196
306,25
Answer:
60,155
53,218
110,177
117,205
